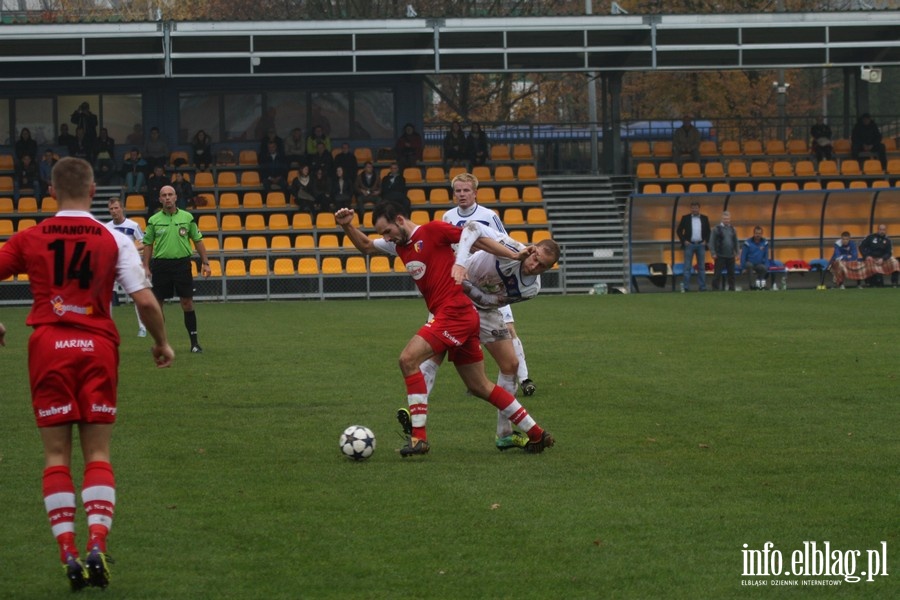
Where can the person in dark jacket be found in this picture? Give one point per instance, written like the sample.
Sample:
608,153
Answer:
693,233
877,247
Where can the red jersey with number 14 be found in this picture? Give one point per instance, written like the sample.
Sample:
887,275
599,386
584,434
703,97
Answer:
72,261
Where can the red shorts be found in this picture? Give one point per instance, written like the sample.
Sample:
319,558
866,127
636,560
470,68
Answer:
455,330
74,375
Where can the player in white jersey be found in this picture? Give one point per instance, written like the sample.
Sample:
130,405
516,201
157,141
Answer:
133,232
493,283
467,209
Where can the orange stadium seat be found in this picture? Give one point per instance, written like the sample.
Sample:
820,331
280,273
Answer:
28,204
522,152
850,167
646,170
481,173
708,148
500,152
752,148
797,147
6,205
640,149
691,170
730,148
697,188
775,147
504,173
662,149
531,193
526,173
668,170
873,167
485,195
804,168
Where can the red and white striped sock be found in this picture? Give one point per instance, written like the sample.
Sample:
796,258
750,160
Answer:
99,497
510,408
59,501
417,398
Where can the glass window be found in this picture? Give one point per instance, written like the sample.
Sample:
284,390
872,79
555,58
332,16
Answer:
288,110
5,137
120,114
66,106
373,114
37,115
243,117
196,112
331,111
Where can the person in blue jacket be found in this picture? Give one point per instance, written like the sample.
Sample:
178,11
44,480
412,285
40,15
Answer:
845,248
755,259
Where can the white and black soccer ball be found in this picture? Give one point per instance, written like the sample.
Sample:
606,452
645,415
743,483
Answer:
357,442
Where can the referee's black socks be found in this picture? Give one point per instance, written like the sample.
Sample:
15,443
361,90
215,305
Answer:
190,323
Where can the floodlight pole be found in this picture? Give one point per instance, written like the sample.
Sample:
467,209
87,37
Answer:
592,106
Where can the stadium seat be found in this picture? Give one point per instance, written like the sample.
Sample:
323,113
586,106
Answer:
662,149
301,220
513,216
308,265
789,186
674,188
797,147
850,168
708,149
804,168
24,224
481,173
413,175
880,183
526,173
691,170
6,184
531,193
522,152
775,147
6,205
812,185
893,166
500,152
210,241
668,170
873,167
536,216
651,188
766,186
356,265
135,203
208,223
250,179
325,220
519,235
713,170
254,222
203,180
760,168
504,173
226,179
782,168
420,217
835,185
248,158
416,196
743,186
280,243
858,184
828,168
841,147
304,241
229,201
259,267
646,170
177,156
278,222
252,200
729,148
379,264
752,148
509,195
720,186
276,200
737,168
454,171
27,204
438,195
539,235
363,155
284,266
233,243
432,175
7,162
697,188
6,227
431,154
231,223
331,265
328,241
485,195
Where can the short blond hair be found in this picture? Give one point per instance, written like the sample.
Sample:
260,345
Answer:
72,179
465,178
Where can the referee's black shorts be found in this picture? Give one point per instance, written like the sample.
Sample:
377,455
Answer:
172,277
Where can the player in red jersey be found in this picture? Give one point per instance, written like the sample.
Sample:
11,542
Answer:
427,252
72,261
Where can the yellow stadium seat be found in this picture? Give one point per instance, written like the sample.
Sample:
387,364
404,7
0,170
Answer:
509,194
812,185
253,200
804,168
646,170
6,184
760,168
850,167
284,266
536,216
356,265
743,186
697,188
523,152
254,222
519,235
720,186
513,216
713,170
539,235
668,170
250,179
841,147
893,166
775,147
431,154
304,241
276,200
203,180
454,171
379,264
766,186
6,205
208,223
280,243
226,179
504,173
259,267
363,154
413,175
302,220
752,147
6,227
399,267
782,168
729,148
7,162
828,168
432,175
229,201
135,202
789,186
880,183
325,220
857,184
485,195
526,173
500,152
674,188
247,157
481,173
797,147
640,149
331,265
532,193
835,185
24,224
328,240
438,196
235,267
691,170
651,188
231,223
708,148
420,217
872,167
737,168
416,196
233,243
257,243
278,222
308,266
28,204
662,149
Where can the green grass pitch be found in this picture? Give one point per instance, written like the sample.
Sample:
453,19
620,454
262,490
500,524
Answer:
687,425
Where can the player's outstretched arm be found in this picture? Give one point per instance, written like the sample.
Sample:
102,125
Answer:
152,317
344,218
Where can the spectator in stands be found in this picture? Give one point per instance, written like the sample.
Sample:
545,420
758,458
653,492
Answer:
347,159
342,188
321,159
301,191
65,139
83,117
270,137
755,259
28,177
686,142
201,152
44,169
25,145
844,249
321,189
820,134
156,152
393,187
866,138
723,245
409,147
184,191
82,147
877,248
317,135
455,147
136,137
105,165
273,168
295,148
134,171
155,183
477,145
693,232
368,189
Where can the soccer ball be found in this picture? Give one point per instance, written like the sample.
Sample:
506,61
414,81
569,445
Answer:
357,442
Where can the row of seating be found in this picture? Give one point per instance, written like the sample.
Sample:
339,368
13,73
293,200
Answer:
763,186
662,149
763,169
29,204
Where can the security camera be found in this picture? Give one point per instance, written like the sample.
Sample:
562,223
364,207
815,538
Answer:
870,74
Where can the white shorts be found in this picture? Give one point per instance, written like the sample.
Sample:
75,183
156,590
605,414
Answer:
493,326
506,311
